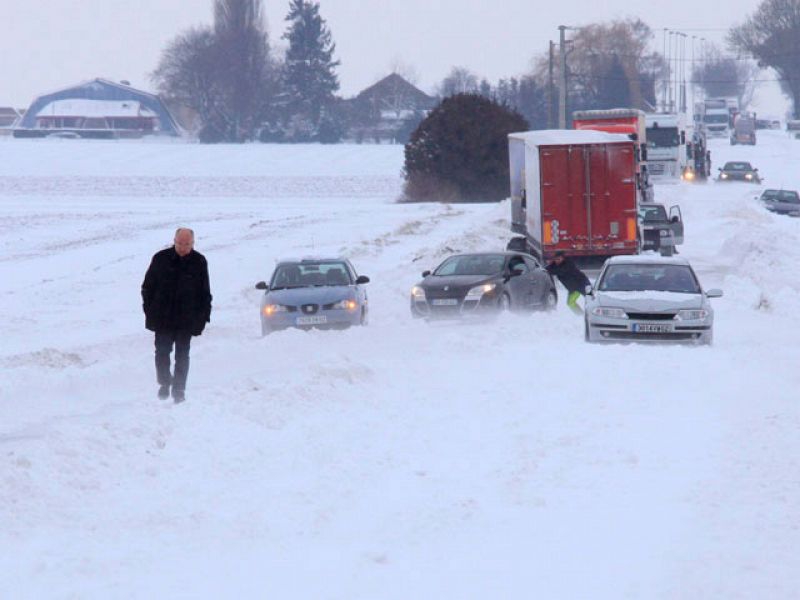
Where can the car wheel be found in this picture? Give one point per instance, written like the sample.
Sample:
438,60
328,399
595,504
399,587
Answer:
264,330
504,304
586,330
551,300
363,322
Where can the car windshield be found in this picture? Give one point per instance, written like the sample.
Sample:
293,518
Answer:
472,264
649,277
662,137
652,214
788,196
737,166
309,274
716,119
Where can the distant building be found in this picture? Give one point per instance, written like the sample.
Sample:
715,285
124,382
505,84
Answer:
388,111
97,109
8,117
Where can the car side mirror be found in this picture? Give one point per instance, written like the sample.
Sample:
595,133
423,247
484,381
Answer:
675,219
589,290
755,169
715,293
426,273
719,168
262,285
362,279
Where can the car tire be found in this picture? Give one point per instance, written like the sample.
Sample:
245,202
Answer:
586,336
364,320
264,330
551,300
504,303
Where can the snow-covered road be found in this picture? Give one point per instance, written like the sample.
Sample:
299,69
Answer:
401,460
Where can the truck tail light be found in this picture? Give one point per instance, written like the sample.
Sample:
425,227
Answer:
631,229
548,232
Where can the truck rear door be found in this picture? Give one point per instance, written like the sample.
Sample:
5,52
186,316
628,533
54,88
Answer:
613,204
563,191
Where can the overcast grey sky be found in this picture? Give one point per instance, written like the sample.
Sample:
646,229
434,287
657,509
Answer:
49,44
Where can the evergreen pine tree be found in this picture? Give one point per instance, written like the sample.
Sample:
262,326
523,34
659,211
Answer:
309,77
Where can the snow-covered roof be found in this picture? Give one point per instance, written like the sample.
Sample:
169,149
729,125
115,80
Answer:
559,137
647,258
608,114
82,107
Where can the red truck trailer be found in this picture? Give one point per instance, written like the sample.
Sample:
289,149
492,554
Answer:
573,191
628,121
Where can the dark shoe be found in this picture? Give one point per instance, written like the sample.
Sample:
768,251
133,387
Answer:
163,391
178,396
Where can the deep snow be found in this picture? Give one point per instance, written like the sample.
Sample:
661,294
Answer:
400,460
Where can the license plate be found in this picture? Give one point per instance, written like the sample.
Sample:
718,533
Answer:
316,320
650,328
444,302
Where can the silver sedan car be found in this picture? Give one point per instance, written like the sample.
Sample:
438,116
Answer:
649,299
310,293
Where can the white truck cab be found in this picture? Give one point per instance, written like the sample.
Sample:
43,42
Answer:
667,135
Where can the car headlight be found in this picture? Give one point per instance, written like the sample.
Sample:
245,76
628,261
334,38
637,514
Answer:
345,305
663,233
271,309
748,176
689,175
691,315
614,313
723,176
417,293
480,290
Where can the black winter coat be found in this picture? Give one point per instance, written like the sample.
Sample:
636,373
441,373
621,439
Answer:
569,275
176,295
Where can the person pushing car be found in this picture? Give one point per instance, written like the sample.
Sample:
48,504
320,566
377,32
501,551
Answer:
571,277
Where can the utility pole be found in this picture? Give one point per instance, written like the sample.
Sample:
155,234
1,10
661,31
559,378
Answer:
562,91
551,89
664,84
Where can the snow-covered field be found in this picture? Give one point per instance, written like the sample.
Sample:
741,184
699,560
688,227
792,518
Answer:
401,460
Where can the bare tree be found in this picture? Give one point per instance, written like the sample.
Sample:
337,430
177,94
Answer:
772,36
726,76
460,80
224,72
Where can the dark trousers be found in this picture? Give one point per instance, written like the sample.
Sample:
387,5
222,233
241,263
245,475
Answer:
164,343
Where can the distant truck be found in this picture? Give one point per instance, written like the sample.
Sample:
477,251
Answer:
715,115
573,191
667,155
744,129
626,121
698,167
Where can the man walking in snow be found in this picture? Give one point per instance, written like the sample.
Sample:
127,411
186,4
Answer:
176,298
571,277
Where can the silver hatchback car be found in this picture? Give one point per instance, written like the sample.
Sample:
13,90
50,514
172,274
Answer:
323,293
649,299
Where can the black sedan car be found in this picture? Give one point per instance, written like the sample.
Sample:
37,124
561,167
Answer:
482,284
738,171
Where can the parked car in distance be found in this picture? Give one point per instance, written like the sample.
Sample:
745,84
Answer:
660,232
782,202
313,292
481,284
738,171
649,299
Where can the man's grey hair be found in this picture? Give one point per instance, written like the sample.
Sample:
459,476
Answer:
179,229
